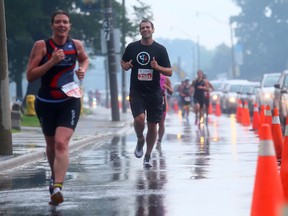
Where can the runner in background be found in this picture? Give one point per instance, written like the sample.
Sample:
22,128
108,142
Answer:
207,96
200,86
186,92
165,85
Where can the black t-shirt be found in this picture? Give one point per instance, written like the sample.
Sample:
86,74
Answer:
143,79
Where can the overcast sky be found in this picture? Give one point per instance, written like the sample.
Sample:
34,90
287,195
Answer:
191,19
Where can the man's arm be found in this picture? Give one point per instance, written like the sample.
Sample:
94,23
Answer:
166,71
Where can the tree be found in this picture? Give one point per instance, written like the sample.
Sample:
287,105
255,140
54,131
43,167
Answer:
261,30
141,11
221,61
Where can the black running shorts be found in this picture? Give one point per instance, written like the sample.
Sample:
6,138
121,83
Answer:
53,115
152,104
200,100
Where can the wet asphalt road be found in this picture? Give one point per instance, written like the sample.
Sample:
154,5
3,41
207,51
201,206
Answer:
201,172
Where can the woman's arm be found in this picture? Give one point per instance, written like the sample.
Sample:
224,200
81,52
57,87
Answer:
34,71
168,86
83,59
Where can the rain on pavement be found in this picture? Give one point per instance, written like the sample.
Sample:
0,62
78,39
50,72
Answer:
206,171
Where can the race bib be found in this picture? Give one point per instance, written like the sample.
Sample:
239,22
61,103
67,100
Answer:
145,74
187,99
72,90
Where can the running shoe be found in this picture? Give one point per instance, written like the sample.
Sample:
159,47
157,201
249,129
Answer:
138,152
56,197
51,186
158,145
197,121
146,162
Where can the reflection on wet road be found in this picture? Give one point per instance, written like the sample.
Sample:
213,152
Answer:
198,171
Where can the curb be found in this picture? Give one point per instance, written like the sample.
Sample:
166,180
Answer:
99,139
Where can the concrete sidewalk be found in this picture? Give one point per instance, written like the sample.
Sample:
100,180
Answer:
29,144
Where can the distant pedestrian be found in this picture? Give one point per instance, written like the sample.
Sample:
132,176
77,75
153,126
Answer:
166,86
147,59
58,101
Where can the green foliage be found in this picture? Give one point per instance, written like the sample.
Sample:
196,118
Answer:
221,62
262,29
141,11
30,121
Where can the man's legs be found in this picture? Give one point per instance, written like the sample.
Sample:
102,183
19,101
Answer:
151,137
161,130
139,126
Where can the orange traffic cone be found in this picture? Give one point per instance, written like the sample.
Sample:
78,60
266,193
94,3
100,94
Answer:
245,115
262,114
268,116
261,117
284,163
268,196
256,118
277,133
239,111
210,108
218,109
175,106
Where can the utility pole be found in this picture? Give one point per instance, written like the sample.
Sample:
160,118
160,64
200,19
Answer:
112,70
5,116
198,54
232,52
124,108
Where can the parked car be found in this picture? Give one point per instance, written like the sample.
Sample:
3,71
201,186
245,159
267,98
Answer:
252,99
281,97
265,94
217,92
228,100
248,93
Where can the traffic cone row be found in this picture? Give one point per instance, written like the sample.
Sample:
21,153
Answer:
268,116
270,194
268,197
218,111
284,163
277,133
175,106
256,118
239,111
245,116
210,108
